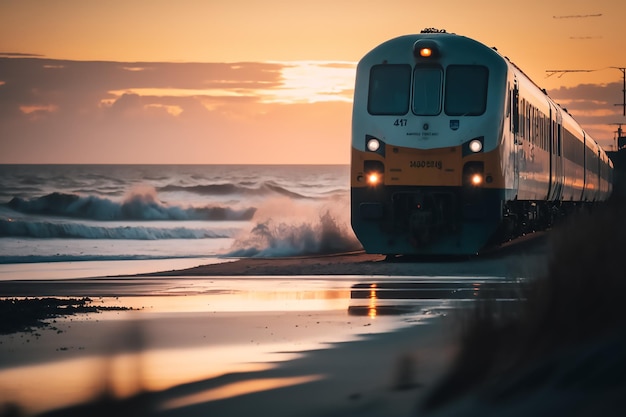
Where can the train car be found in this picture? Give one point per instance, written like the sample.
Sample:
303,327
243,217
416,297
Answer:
454,147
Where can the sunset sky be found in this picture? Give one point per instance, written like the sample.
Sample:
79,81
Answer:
248,81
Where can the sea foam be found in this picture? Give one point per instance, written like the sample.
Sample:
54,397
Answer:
281,230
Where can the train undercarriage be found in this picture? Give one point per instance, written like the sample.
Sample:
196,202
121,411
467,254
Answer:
446,220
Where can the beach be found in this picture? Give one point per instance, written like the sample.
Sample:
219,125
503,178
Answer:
347,334
221,290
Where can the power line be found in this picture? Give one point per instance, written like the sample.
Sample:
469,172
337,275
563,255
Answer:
622,69
577,16
563,72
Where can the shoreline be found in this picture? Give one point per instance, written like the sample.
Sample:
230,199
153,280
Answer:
524,258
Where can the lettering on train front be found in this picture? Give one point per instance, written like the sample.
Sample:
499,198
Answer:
426,164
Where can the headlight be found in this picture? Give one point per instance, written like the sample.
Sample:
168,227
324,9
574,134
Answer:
475,145
374,172
373,145
373,178
474,174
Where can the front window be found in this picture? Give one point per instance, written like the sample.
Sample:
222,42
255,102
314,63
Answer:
466,90
389,89
427,91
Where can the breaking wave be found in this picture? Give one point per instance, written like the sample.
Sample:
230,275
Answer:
139,205
43,229
17,259
277,239
267,188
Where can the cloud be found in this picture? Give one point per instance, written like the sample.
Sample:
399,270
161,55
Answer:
595,106
55,111
18,55
60,111
76,84
38,110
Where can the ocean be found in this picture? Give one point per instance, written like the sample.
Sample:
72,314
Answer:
57,220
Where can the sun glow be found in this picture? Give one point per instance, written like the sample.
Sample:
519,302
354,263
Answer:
135,69
315,81
173,110
301,82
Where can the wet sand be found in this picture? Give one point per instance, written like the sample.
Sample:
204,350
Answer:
526,257
263,336
280,352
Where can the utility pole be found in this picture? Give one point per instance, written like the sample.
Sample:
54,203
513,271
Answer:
620,141
623,69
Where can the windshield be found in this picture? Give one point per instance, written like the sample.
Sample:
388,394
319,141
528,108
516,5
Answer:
389,89
427,91
466,90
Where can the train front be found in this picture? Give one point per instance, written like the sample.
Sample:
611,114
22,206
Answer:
428,138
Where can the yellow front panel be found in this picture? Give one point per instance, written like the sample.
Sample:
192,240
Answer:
425,167
407,166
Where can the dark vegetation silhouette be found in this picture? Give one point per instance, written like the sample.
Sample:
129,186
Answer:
560,347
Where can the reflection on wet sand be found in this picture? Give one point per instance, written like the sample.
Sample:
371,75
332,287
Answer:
190,339
216,327
410,296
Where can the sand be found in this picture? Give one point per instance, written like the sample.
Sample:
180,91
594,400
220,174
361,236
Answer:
524,258
274,354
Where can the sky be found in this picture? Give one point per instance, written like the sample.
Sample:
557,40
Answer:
260,82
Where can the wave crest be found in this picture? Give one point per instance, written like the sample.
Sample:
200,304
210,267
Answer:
21,228
267,188
139,205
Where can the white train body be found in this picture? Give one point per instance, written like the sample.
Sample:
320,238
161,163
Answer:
454,146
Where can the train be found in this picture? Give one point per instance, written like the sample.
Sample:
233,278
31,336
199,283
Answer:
456,149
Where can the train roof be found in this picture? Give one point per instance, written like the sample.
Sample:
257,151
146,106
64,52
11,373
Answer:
402,41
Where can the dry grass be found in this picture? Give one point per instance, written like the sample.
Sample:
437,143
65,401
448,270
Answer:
577,303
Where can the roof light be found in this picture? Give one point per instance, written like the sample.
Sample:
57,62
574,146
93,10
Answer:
426,49
426,52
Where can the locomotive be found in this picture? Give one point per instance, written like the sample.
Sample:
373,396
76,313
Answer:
455,148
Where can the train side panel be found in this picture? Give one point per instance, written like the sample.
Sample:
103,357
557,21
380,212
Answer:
532,141
606,178
592,167
573,159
